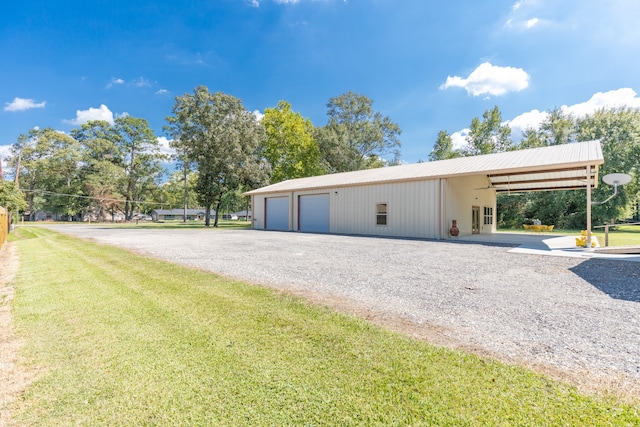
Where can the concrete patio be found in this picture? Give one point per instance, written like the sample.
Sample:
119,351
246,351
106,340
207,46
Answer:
549,244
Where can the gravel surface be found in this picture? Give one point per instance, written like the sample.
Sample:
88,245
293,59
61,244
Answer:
574,318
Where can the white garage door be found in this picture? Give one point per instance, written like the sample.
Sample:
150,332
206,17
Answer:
277,213
314,213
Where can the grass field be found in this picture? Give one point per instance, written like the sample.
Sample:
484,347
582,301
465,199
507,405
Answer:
175,224
118,339
623,235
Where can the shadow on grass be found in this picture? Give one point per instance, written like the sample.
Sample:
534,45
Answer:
618,279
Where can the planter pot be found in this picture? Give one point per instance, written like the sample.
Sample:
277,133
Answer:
453,231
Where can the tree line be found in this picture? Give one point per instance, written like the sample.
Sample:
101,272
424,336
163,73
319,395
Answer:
222,150
618,130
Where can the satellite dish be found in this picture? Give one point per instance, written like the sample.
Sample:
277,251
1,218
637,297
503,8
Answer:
614,179
617,179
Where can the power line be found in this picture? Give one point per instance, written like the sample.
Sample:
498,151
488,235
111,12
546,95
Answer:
102,199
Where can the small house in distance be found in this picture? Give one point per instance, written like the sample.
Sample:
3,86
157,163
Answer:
422,200
178,214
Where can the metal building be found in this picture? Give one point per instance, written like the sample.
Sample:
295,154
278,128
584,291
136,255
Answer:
423,199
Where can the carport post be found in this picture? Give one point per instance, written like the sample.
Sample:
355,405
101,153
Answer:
588,206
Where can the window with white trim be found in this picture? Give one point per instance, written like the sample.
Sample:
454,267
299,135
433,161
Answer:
381,214
488,215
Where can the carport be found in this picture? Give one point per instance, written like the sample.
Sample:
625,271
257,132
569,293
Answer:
558,177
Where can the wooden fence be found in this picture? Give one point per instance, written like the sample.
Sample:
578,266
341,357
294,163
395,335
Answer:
4,226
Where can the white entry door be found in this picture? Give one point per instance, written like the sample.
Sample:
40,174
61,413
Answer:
314,213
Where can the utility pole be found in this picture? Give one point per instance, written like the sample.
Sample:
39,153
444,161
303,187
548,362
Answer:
184,215
16,184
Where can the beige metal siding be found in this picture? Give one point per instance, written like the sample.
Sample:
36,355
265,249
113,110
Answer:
412,209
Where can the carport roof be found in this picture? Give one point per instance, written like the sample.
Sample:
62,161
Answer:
555,167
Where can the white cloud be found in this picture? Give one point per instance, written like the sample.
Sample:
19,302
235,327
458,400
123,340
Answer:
490,79
459,139
528,120
141,82
521,16
4,153
115,81
23,104
258,115
256,3
624,97
164,146
84,116
162,92
532,22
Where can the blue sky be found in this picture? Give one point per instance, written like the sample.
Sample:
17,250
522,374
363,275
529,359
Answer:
429,66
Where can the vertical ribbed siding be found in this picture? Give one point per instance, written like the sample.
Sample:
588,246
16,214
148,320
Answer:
413,209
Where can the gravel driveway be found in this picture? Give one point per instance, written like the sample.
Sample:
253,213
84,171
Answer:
577,319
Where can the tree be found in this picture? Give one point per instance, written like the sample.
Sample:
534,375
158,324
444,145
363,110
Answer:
172,192
443,148
122,163
11,197
489,135
356,137
290,147
531,138
103,170
557,128
223,140
141,156
48,168
619,133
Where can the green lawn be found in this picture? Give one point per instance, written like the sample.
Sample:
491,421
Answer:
237,224
623,235
119,339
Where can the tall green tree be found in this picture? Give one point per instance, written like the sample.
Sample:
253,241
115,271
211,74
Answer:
356,137
223,140
103,170
488,135
11,198
558,128
47,163
290,146
619,133
122,163
140,151
443,148
531,138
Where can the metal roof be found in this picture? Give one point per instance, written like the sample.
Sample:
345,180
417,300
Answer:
536,169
